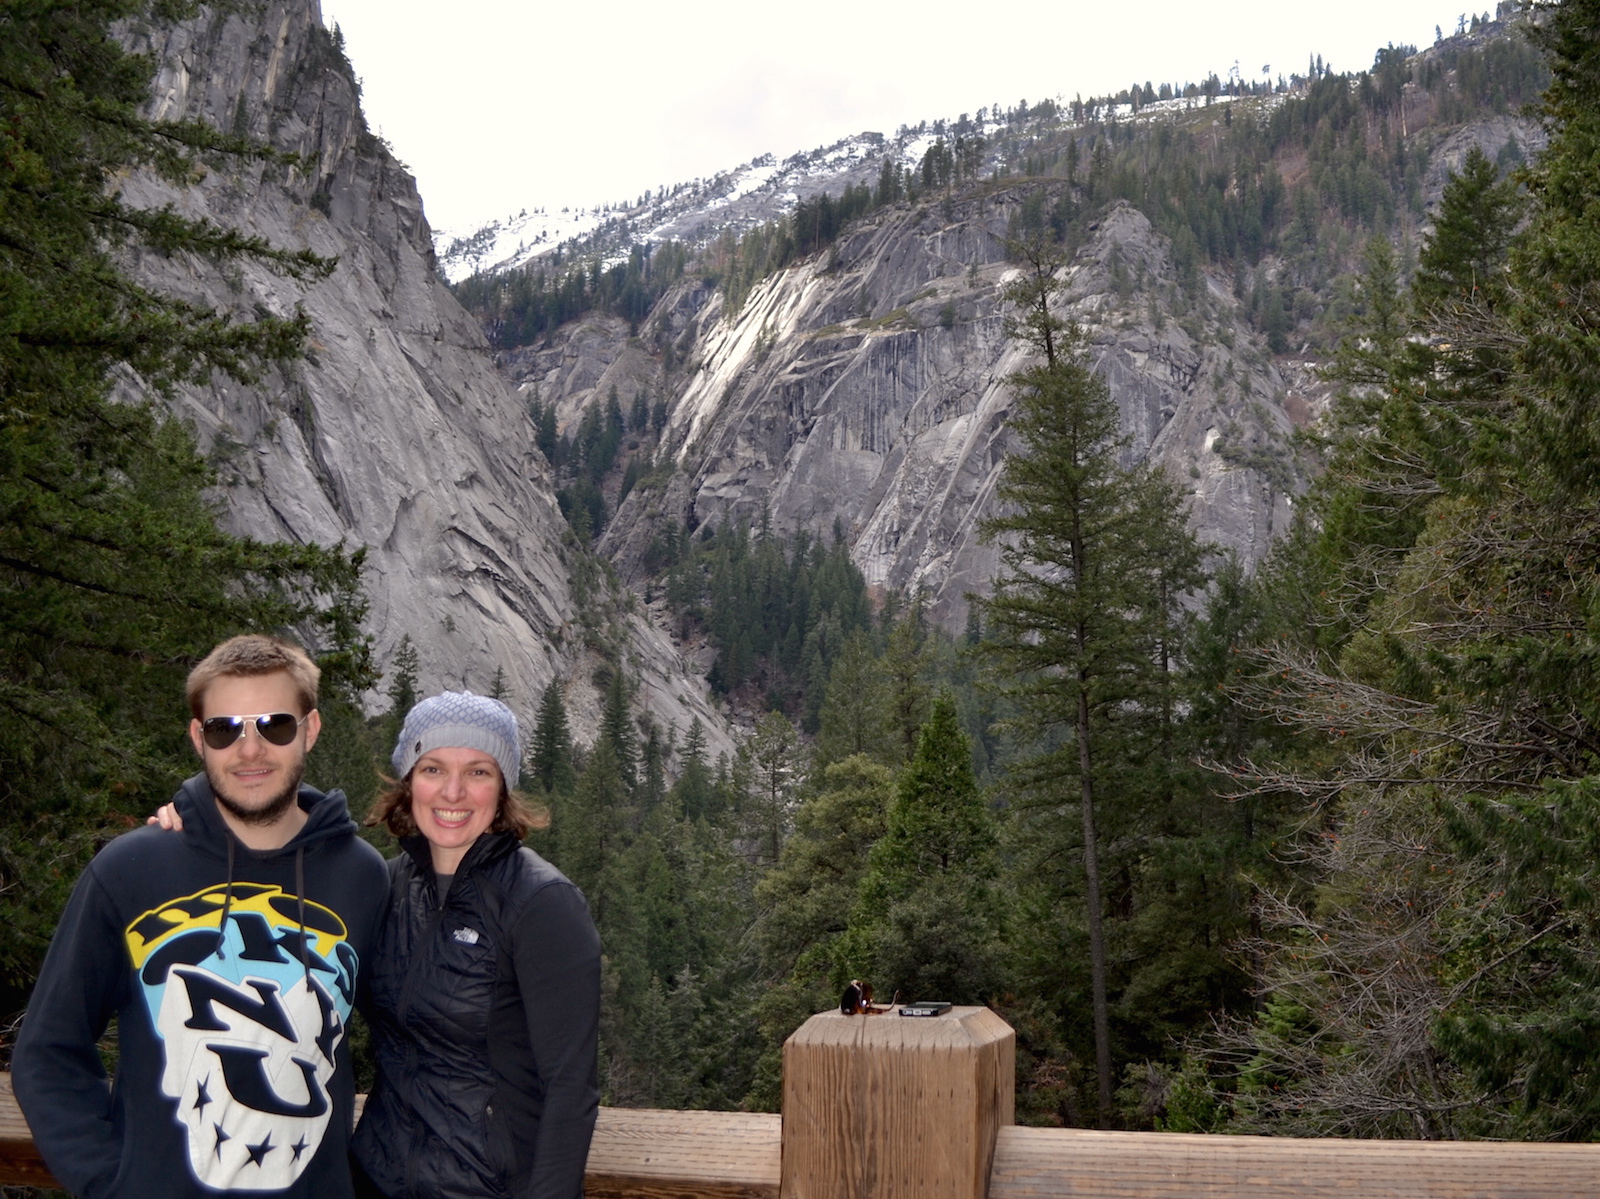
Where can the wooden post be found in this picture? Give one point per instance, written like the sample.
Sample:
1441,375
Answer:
895,1107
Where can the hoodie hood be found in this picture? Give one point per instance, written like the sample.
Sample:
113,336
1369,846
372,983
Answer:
327,816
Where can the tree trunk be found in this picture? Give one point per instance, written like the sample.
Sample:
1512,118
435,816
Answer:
1097,939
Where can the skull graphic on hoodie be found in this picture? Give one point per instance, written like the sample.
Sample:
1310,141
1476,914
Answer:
250,989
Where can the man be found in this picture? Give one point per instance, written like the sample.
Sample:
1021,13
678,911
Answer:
228,954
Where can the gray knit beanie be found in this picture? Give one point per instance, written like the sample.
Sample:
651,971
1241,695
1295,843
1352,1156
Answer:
460,718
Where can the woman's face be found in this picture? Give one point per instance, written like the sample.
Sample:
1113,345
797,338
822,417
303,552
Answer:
455,793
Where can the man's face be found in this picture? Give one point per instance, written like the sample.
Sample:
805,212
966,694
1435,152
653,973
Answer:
254,780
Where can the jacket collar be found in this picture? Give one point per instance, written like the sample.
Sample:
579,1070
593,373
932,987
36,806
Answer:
490,847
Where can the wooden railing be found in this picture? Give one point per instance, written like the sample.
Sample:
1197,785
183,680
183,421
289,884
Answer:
882,1108
635,1154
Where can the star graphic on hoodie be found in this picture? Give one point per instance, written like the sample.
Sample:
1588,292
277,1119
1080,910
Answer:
202,1097
257,1152
221,1136
299,1146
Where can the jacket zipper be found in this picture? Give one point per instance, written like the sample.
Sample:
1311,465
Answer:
413,973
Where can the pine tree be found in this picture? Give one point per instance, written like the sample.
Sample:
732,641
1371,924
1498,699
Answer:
653,779
1095,558
927,916
854,717
771,761
114,576
1464,260
1558,263
617,729
804,904
550,761
695,794
591,829
1423,376
904,665
402,687
1457,816
499,688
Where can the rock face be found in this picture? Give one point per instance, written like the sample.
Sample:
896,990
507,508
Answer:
866,389
396,433
869,387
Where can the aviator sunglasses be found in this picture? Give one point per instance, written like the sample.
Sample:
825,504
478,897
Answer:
278,728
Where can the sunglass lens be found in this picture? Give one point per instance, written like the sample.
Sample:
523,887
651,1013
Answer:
278,728
221,731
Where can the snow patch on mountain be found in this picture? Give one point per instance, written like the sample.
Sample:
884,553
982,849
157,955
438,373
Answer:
763,189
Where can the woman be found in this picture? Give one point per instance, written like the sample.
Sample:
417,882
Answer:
484,999
484,995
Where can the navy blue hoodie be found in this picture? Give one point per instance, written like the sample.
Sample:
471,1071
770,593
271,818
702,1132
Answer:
231,973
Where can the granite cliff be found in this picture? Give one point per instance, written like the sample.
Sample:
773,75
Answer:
869,385
396,432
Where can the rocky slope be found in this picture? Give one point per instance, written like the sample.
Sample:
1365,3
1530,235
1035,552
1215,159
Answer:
396,433
868,386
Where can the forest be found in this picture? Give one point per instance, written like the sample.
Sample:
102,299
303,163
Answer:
1310,851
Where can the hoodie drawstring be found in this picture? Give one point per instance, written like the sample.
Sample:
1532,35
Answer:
300,891
227,900
300,895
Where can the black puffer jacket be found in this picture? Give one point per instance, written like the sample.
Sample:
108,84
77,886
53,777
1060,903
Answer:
485,1018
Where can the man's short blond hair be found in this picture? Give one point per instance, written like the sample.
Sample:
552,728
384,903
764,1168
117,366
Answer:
250,655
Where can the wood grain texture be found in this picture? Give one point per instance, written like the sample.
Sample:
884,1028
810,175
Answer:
1059,1162
889,1107
20,1163
642,1154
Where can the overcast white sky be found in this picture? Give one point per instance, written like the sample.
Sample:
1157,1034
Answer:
498,105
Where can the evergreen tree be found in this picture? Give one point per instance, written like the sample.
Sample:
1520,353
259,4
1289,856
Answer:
1463,262
1556,263
904,665
927,917
499,688
114,576
804,904
402,687
591,829
677,959
549,435
617,730
1094,560
695,794
350,751
854,718
1456,809
770,757
550,761
653,779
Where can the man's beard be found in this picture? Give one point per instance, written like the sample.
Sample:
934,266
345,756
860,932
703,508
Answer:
269,813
